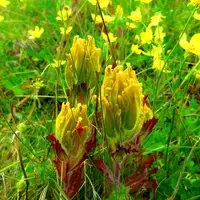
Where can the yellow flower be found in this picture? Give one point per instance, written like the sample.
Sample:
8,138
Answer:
130,25
98,20
1,18
136,15
156,19
146,1
147,36
135,49
119,11
198,75
64,14
64,31
159,35
195,2
193,46
36,33
72,131
102,3
196,15
83,63
122,102
111,37
158,63
57,63
4,3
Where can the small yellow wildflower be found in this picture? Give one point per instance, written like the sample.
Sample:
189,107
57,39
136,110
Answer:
64,31
136,15
159,35
98,20
35,33
57,63
146,1
158,63
64,14
1,18
196,15
119,11
4,3
147,36
111,37
135,49
193,46
130,25
156,19
195,2
102,3
198,75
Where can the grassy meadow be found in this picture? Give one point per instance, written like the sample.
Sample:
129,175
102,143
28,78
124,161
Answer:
99,99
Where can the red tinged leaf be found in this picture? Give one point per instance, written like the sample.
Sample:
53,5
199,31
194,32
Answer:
151,184
149,125
73,181
80,128
104,169
92,142
148,162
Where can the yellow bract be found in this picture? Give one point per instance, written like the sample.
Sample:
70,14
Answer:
122,100
83,63
193,46
119,11
72,131
136,15
64,14
4,3
36,33
102,3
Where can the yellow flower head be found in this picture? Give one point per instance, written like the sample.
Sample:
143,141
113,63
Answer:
193,46
72,131
122,101
57,63
36,33
195,2
98,19
4,3
146,1
119,11
196,15
135,49
130,25
83,63
156,19
111,37
159,35
102,3
64,14
147,36
64,31
136,15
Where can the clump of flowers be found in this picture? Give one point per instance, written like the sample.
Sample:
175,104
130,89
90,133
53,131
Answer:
103,3
136,16
64,14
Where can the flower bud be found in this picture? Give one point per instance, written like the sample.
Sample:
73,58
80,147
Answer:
73,131
123,109
83,63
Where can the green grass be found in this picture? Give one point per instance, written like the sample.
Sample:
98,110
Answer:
24,63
